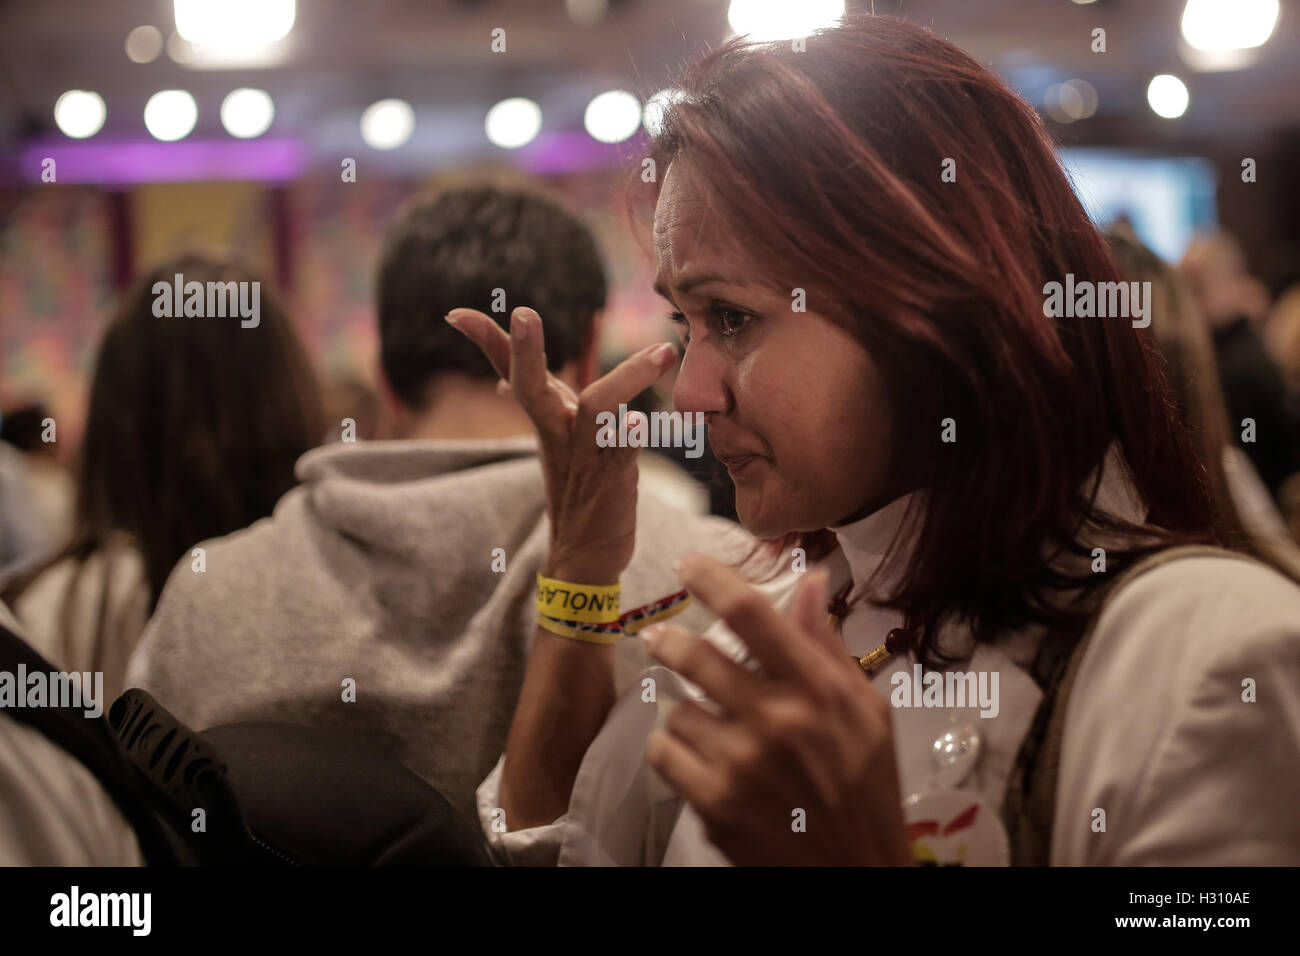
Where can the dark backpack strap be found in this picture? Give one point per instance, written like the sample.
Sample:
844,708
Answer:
91,742
1029,802
182,774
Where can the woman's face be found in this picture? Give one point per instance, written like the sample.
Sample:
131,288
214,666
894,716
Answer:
796,409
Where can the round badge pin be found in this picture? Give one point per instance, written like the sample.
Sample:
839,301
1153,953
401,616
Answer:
955,828
955,753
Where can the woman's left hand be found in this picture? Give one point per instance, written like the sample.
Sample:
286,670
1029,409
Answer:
809,735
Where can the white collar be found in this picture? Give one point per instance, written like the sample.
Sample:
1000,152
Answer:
866,541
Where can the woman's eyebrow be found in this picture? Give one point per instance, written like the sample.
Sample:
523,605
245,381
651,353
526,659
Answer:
689,282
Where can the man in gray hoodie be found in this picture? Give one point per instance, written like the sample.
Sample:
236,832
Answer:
391,594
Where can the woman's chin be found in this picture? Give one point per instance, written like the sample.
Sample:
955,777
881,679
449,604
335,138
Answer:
770,520
761,522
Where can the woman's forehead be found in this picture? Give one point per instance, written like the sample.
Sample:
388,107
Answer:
688,230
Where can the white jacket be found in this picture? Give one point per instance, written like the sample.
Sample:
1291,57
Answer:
1157,733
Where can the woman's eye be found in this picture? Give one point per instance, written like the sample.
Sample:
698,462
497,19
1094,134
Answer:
731,321
678,320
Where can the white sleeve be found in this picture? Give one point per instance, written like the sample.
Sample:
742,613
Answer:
535,846
1184,725
620,811
53,811
1223,788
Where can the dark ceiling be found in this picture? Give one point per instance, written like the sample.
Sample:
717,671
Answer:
435,53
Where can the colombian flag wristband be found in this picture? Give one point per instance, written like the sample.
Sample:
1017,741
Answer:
654,612
578,631
589,613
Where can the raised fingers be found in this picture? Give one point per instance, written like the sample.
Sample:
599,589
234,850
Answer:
528,375
629,378
520,359
486,334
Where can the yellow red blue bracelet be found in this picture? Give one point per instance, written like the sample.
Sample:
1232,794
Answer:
589,613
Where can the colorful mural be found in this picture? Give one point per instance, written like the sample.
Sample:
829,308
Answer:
57,249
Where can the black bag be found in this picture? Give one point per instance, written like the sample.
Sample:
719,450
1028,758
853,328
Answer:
270,794
283,795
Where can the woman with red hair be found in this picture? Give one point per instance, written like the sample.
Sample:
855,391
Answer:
1007,521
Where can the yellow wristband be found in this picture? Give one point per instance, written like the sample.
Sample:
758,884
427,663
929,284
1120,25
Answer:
588,603
565,630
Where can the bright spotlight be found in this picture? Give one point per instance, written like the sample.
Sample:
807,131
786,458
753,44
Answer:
170,115
765,20
247,113
1167,96
79,113
1218,25
387,124
513,123
235,23
612,116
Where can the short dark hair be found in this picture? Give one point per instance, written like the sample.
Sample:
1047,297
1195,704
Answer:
452,250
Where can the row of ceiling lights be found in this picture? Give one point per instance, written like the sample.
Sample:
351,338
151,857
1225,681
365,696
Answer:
171,115
611,117
217,32
1211,26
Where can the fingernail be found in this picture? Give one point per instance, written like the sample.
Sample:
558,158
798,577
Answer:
453,320
650,635
521,325
663,354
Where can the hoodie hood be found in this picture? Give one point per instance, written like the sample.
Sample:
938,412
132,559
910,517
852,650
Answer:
389,497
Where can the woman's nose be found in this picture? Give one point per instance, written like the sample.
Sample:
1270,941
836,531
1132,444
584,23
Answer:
701,381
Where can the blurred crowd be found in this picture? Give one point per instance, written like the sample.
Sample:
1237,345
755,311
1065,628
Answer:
193,428
197,429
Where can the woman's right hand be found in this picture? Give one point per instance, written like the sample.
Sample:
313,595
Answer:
590,491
